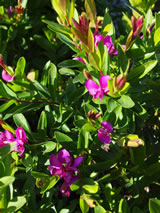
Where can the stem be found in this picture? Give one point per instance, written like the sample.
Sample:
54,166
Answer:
31,102
101,72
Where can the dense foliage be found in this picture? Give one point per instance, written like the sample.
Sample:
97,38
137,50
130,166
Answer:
79,113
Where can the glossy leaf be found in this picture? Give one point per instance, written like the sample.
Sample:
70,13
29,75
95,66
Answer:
154,205
20,68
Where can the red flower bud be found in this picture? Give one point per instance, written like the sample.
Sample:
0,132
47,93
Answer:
2,64
83,25
136,26
87,75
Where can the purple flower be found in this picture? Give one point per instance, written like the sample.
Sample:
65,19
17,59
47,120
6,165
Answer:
107,40
7,77
10,12
98,91
65,166
6,138
103,133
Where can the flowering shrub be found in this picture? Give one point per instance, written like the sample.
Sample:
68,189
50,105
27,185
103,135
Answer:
79,115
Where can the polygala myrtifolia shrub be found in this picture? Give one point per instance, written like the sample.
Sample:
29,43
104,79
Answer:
81,135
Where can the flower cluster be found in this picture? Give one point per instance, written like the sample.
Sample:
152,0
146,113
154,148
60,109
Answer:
103,133
6,138
98,91
65,166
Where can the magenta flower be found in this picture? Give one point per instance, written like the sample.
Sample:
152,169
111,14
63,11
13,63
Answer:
7,77
103,133
65,166
107,40
10,12
6,138
21,139
98,91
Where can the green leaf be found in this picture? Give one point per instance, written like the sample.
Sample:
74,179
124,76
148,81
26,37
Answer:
6,92
6,149
126,102
157,25
154,205
123,62
90,186
142,70
16,204
105,67
99,167
150,4
157,36
75,186
42,90
90,8
71,63
28,161
83,137
111,105
57,27
108,22
1,10
76,95
48,146
60,7
52,80
90,40
48,185
20,108
39,175
66,71
123,206
20,68
99,209
42,124
20,120
61,137
65,39
94,60
5,181
6,105
83,205
137,210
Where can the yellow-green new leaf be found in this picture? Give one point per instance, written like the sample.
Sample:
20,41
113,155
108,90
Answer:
90,8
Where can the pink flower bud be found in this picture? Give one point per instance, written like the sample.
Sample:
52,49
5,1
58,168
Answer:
136,26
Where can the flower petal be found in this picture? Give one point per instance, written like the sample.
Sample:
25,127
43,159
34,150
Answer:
104,138
77,161
97,38
21,135
7,77
93,88
65,190
54,162
107,126
9,136
104,83
64,156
